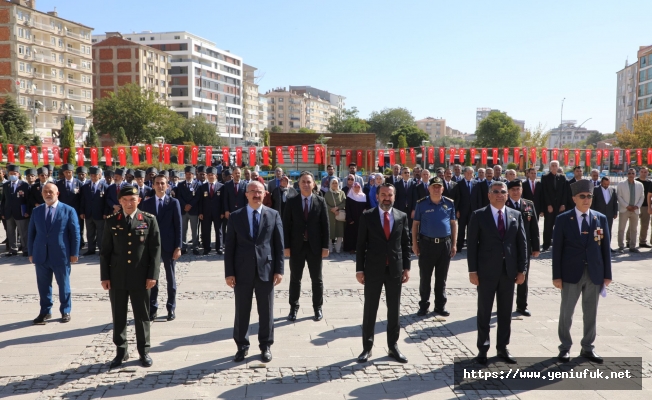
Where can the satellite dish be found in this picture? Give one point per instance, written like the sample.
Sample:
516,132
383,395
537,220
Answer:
72,108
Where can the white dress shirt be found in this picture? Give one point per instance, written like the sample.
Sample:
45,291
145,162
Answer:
578,213
494,212
382,218
53,210
607,194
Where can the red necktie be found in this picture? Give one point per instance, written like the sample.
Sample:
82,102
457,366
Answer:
386,225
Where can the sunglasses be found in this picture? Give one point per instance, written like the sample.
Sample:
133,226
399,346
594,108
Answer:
350,179
585,196
499,191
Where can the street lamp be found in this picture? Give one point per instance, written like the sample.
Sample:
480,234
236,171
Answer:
561,122
161,141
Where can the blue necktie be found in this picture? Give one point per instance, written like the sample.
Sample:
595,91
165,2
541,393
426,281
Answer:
255,223
48,218
585,230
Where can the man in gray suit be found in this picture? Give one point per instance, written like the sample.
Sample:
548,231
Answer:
253,263
605,201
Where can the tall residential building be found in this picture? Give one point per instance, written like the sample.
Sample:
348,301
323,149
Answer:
251,105
626,89
644,105
117,62
570,134
483,112
46,62
205,80
337,101
263,116
435,127
292,111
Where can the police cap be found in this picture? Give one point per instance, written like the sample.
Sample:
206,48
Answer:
436,181
163,173
174,174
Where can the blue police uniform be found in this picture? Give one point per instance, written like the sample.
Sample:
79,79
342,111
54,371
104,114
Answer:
435,247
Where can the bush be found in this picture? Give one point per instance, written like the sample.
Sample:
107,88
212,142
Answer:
388,171
512,166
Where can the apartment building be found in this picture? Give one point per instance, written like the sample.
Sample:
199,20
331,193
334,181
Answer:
337,101
205,80
117,62
46,62
644,104
483,112
263,115
570,134
251,106
291,111
434,127
626,89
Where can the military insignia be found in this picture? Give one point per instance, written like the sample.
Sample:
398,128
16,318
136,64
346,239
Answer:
76,190
142,239
140,217
135,190
142,226
205,194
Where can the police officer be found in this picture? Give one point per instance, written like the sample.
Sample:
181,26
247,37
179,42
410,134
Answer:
14,209
70,195
434,236
186,193
129,265
531,224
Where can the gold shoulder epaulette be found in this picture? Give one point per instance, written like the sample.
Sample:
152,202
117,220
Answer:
112,215
148,214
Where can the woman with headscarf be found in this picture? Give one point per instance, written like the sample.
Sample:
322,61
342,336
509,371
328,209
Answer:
372,201
356,203
349,184
336,202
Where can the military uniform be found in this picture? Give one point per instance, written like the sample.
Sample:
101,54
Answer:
435,247
130,254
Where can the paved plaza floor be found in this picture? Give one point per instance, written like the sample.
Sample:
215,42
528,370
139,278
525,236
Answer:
312,360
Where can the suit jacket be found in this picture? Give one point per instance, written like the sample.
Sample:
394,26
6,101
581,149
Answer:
465,202
480,194
187,194
233,202
403,196
569,256
554,195
390,179
61,242
112,197
277,199
533,197
271,185
70,197
15,204
530,222
610,209
449,191
211,207
244,255
622,190
488,254
374,251
35,196
168,219
417,193
294,224
93,205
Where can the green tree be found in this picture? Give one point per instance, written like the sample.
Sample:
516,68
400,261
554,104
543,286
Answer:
199,131
535,137
387,121
594,138
264,136
3,135
67,139
12,133
498,130
92,140
413,136
306,130
639,136
35,141
121,138
139,113
449,141
10,111
401,143
277,129
347,122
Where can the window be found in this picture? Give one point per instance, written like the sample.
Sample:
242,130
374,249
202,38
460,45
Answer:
21,49
142,39
29,67
54,90
55,103
54,72
61,58
54,57
53,41
21,67
641,76
177,37
60,42
22,101
280,99
21,32
87,94
151,38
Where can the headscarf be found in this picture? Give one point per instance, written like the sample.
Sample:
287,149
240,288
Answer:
372,180
347,181
334,179
359,197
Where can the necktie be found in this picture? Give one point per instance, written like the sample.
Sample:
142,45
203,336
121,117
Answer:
386,224
405,185
305,217
48,218
517,205
236,188
128,220
468,184
501,225
212,190
585,229
532,186
160,204
255,223
14,187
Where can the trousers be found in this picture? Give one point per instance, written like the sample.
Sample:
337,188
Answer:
298,259
193,220
434,257
13,225
570,293
372,293
171,279
140,305
94,232
61,273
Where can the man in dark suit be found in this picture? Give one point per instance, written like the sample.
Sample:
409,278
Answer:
14,209
35,195
480,191
211,211
457,173
253,263
186,193
113,190
578,172
403,198
234,193
605,201
496,259
581,265
532,190
449,184
274,183
168,216
382,259
396,175
464,205
306,237
53,243
144,191
498,173
418,192
70,194
554,193
93,209
281,194
531,224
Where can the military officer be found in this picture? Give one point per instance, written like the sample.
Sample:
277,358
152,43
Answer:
434,241
130,259
70,195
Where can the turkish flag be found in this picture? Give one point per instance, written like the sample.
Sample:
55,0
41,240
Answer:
338,156
279,160
639,157
578,155
359,154
181,152
134,155
381,158
349,157
517,155
66,153
34,152
21,154
44,151
107,156
80,156
1,152
442,155
56,156
225,156
566,153
544,155
238,156
555,154
617,156
392,156
605,154
252,156
598,157
291,150
494,154
148,153
94,160
505,154
194,155
11,157
370,158
533,155
462,153
304,153
401,152
588,158
318,154
473,151
484,156
649,156
279,154
208,150
431,155
451,155
413,156
167,149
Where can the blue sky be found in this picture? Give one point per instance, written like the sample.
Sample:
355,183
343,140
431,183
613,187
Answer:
435,58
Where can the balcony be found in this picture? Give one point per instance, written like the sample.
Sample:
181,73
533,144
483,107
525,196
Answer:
41,26
74,96
73,50
73,34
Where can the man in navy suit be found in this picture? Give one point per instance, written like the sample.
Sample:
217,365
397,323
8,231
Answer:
253,263
54,231
234,193
93,209
14,209
581,265
168,216
186,193
211,211
496,259
70,193
465,203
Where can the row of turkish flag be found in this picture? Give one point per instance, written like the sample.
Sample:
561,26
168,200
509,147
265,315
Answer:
320,156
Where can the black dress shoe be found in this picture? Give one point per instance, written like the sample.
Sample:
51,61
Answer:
195,252
422,312
65,317
152,317
89,253
319,315
240,355
545,248
266,354
442,311
120,357
564,356
364,356
205,252
505,356
171,316
220,252
146,361
481,358
644,245
183,251
40,320
293,314
592,355
11,254
524,311
396,354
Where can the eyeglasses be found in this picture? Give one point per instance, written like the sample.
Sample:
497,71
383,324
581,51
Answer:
499,191
350,179
585,196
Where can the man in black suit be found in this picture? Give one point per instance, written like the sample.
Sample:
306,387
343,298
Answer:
481,188
498,173
382,259
234,193
211,211
93,209
281,194
253,263
532,190
449,184
404,189
605,201
464,205
457,173
419,191
554,198
306,237
496,259
396,175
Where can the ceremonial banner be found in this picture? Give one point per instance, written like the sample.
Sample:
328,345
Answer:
318,154
566,153
11,157
304,153
451,155
194,156
252,156
639,154
44,151
338,156
209,155
167,149
578,156
462,153
555,154
279,154
617,156
517,155
392,156
148,154
587,160
80,156
291,150
225,156
506,155
107,156
359,157
544,156
34,152
134,155
533,155
94,158
484,156
381,158
649,156
494,154
66,153
238,156
370,158
56,156
349,157
181,152
431,155
598,157
442,155
628,156
413,156
473,151
21,154
0,152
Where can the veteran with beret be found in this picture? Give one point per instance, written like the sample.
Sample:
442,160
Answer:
14,209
